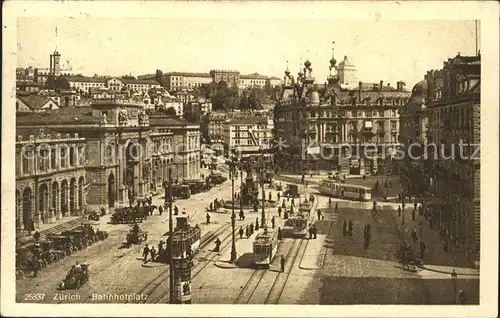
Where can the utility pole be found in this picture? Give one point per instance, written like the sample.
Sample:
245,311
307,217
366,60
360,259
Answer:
262,172
170,238
233,216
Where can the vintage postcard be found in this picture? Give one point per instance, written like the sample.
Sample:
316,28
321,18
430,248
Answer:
336,159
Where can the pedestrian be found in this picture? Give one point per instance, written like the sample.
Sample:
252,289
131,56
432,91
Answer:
145,253
242,215
399,197
270,196
349,229
36,236
176,210
217,245
314,231
403,205
256,223
330,202
399,210
337,207
422,249
103,211
293,201
208,218
251,229
310,232
319,214
364,177
413,214
36,268
414,235
241,232
445,245
344,228
160,249
273,222
152,251
160,210
210,207
279,211
280,235
279,196
282,263
462,297
247,231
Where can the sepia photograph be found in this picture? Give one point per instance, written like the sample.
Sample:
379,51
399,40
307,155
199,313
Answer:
205,158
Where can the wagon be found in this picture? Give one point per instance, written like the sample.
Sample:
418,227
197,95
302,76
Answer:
136,237
49,251
92,227
26,260
76,277
93,216
129,215
62,243
78,237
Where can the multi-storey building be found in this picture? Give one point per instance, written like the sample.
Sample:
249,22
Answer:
46,75
347,73
321,132
248,137
414,124
186,80
194,110
111,149
50,175
452,170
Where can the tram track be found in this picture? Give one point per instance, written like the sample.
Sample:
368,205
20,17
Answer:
153,285
279,284
201,265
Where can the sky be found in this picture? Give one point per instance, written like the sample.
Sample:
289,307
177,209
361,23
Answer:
383,50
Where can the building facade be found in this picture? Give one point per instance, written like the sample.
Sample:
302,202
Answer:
115,152
348,130
453,175
347,73
50,176
247,137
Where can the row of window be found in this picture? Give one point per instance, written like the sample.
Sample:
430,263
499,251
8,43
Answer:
47,160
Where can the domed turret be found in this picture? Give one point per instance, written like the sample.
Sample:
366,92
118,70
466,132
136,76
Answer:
333,62
300,74
307,64
314,98
287,73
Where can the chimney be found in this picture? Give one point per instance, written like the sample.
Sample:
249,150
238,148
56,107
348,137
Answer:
381,85
359,90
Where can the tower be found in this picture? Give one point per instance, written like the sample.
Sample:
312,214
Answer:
347,73
55,64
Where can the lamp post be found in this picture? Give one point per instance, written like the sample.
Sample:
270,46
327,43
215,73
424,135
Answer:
421,226
171,231
263,216
233,216
454,281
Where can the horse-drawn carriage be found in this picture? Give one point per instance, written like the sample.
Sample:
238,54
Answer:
136,236
129,215
77,275
92,232
292,191
63,243
28,258
78,238
49,252
196,186
93,216
407,257
216,178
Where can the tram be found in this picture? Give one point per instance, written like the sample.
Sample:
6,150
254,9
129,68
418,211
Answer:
185,240
296,226
265,247
345,191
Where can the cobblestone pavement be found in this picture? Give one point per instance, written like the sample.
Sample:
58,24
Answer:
353,275
116,270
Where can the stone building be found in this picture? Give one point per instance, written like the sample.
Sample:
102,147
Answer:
118,152
453,175
50,175
349,130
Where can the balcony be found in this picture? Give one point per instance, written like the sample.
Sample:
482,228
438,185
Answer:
368,131
381,131
332,131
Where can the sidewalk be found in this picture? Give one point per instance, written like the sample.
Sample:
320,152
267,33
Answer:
434,253
315,253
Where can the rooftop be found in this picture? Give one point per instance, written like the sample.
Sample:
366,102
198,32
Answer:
62,116
34,101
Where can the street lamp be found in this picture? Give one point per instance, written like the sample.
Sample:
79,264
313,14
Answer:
420,226
263,217
454,281
233,216
171,232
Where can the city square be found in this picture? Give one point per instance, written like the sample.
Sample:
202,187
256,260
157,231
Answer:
237,184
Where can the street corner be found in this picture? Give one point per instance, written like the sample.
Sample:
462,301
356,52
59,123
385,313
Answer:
225,264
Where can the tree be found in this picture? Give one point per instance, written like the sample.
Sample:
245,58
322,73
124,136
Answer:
171,112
